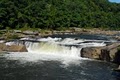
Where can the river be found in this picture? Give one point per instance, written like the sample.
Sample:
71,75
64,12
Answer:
56,59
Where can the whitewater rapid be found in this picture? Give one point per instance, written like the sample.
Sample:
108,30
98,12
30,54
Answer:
65,50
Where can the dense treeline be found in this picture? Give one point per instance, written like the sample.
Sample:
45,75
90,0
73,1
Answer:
53,14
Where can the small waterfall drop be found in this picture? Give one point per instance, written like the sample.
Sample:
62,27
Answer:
67,50
53,48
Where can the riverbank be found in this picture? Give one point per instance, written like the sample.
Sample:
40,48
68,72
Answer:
16,34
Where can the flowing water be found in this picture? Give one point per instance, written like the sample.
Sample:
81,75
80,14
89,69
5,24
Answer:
55,59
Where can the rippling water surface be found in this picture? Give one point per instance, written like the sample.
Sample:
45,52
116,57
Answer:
56,59
16,69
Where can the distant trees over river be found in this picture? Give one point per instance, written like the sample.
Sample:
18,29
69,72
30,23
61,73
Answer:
58,14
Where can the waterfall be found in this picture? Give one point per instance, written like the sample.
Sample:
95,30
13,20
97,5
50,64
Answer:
67,50
52,48
56,46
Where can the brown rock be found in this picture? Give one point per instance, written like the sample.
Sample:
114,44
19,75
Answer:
2,47
90,52
12,48
106,53
17,48
113,53
117,58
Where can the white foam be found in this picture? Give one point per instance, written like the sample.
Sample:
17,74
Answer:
2,41
35,57
49,39
70,41
10,43
49,49
53,48
92,44
26,39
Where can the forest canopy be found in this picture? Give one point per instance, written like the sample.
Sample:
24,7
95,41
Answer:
53,14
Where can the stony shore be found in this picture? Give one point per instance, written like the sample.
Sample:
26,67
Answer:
11,34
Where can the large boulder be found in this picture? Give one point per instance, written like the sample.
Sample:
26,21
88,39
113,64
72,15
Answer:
106,53
12,48
117,58
16,48
91,52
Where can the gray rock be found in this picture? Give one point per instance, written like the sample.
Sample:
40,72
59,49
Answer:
17,48
30,32
17,31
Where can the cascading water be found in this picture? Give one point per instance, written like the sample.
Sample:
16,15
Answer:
52,48
46,49
53,59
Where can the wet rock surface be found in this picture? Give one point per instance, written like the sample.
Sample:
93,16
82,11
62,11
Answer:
16,48
117,58
109,53
91,52
12,48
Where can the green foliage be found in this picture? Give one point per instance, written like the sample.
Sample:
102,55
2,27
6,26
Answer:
62,28
59,14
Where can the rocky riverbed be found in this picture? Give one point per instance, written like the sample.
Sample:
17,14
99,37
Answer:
10,34
106,53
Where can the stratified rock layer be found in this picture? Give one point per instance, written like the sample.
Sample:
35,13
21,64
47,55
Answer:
91,52
106,53
12,48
